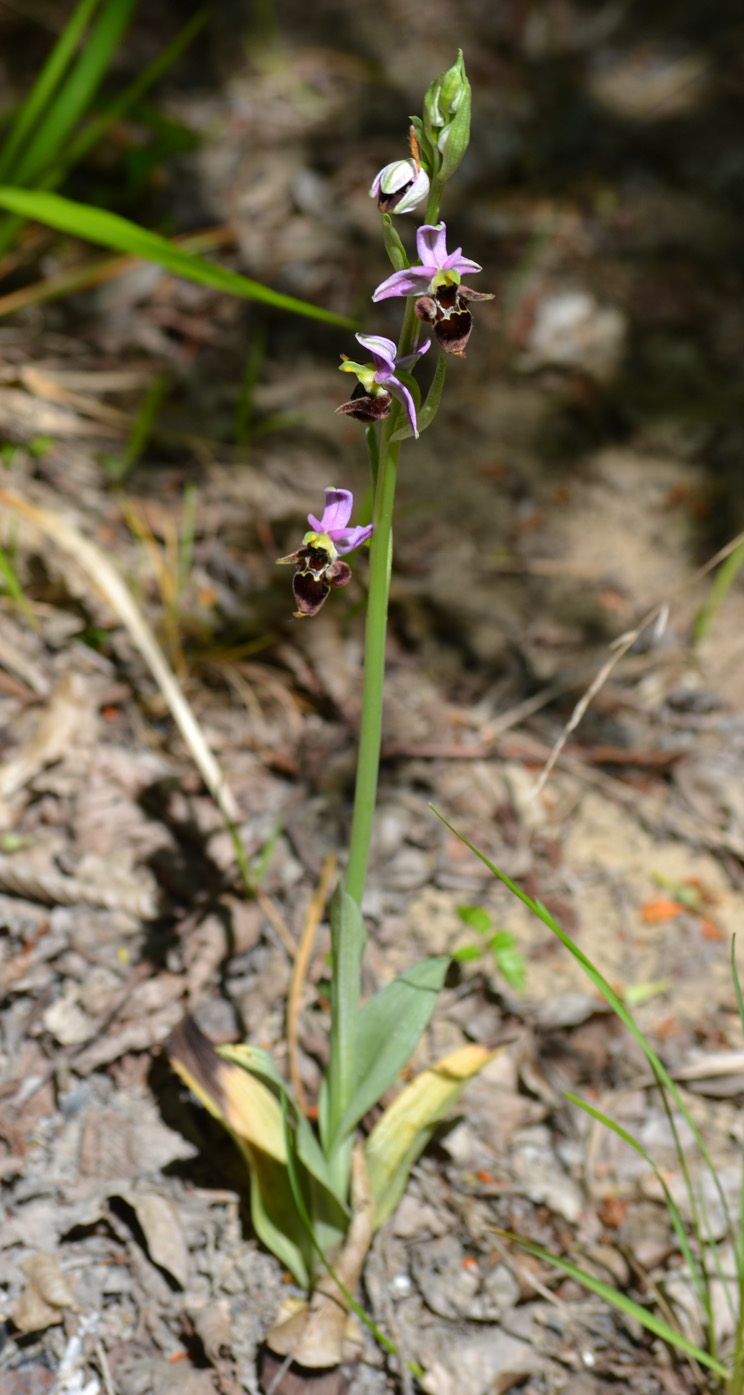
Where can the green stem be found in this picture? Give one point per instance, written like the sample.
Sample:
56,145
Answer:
432,203
380,565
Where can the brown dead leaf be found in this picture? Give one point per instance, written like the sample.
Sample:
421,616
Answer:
161,1227
67,713
212,1325
46,1297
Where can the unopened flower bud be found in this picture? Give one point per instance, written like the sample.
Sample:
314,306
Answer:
400,187
446,120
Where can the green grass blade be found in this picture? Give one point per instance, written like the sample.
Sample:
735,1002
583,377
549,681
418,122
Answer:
253,365
720,587
120,235
625,1304
618,1007
14,588
671,1204
73,100
43,89
82,143
120,467
710,1248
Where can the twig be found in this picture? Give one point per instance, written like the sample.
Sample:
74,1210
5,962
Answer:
274,917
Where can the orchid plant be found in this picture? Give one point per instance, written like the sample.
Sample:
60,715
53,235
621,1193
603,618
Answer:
318,1197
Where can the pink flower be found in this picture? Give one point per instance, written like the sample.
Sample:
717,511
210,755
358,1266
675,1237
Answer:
318,560
438,266
378,381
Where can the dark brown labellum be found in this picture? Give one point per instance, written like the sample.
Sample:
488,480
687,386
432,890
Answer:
365,406
312,581
447,312
449,317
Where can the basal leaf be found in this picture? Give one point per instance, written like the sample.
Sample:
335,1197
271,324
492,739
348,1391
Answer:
405,1128
308,1149
389,1028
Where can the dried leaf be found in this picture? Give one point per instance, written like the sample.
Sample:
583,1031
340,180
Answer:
213,1327
46,1297
161,1227
43,1271
66,715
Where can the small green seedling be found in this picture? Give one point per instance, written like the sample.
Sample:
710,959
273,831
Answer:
500,943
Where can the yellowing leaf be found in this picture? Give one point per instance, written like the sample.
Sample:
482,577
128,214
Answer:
406,1126
240,1102
254,1118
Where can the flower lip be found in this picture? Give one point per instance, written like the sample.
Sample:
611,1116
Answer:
438,266
449,317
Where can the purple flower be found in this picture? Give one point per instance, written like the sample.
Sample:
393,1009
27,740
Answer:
400,187
442,301
336,515
378,383
438,267
318,561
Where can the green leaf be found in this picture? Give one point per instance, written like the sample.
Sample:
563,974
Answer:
111,230
509,959
50,76
249,1109
466,953
625,1304
476,917
73,100
274,1214
427,413
393,245
389,1028
348,938
307,1147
